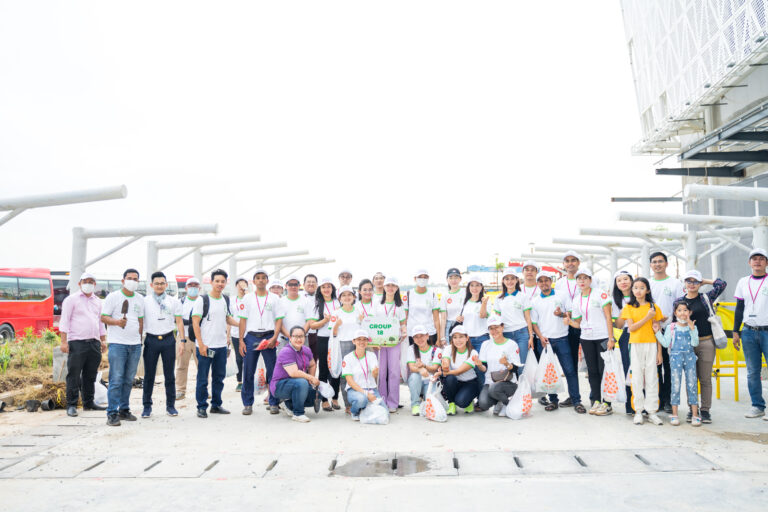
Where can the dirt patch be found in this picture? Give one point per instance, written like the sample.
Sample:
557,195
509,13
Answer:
743,436
15,379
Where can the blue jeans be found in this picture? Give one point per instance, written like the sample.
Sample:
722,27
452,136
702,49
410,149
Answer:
520,337
680,362
418,387
460,392
297,394
755,345
562,349
359,401
251,360
477,344
217,366
448,326
123,361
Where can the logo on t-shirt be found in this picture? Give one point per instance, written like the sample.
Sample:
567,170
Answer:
333,318
242,306
450,301
405,299
603,295
343,364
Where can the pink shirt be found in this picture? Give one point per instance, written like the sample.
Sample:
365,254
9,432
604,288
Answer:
81,317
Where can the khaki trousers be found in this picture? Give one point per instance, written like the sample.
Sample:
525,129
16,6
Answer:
705,357
182,368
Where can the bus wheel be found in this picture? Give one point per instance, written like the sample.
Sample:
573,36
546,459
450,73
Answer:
6,333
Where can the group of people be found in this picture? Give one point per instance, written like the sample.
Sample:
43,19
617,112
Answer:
476,348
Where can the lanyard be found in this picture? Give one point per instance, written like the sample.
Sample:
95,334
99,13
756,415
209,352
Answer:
758,288
386,313
266,299
534,292
365,373
575,287
584,311
365,310
328,309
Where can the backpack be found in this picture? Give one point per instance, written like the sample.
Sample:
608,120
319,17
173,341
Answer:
206,306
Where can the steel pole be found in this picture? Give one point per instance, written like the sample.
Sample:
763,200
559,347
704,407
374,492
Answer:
79,251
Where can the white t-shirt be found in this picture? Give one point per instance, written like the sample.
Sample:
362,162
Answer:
329,309
475,325
366,309
590,310
754,293
112,306
427,358
461,358
186,310
665,292
529,292
294,312
236,308
512,310
491,352
261,313
309,307
543,313
568,287
349,323
213,328
389,311
616,310
161,319
420,307
451,303
361,370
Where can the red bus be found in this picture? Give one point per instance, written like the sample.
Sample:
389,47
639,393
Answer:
26,300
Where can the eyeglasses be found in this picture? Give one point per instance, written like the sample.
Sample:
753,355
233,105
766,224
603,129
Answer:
292,284
691,281
345,276
297,336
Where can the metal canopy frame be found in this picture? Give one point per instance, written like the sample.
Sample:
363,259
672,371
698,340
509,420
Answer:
15,206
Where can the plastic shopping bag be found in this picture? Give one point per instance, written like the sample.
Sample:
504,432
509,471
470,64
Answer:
549,375
531,365
405,352
334,357
261,377
231,364
325,390
612,386
582,362
521,403
375,413
99,391
434,406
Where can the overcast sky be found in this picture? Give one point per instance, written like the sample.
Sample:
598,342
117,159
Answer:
387,135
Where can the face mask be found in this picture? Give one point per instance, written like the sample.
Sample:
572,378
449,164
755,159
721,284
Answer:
131,285
87,288
422,283
192,292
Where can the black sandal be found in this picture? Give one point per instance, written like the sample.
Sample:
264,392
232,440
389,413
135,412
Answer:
327,408
551,406
336,406
579,409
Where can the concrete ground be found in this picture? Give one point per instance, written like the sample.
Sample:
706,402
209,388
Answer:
550,461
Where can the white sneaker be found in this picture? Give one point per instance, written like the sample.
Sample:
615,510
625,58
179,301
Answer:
301,419
754,412
595,407
355,417
288,412
655,419
638,418
765,418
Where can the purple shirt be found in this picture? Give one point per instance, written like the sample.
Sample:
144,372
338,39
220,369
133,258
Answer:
288,356
81,317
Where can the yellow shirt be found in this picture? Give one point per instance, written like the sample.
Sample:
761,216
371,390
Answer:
644,334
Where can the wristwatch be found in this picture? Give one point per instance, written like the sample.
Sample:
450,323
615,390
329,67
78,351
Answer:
183,340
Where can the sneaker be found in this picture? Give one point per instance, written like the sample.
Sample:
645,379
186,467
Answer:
705,417
689,416
416,410
301,419
638,419
451,409
673,420
247,410
113,420
171,411
604,410
147,412
497,408
289,412
566,403
126,415
544,400
179,396
239,387
470,408
696,422
355,417
755,412
629,410
273,409
201,413
392,410
655,419
218,410
668,408
594,408
765,418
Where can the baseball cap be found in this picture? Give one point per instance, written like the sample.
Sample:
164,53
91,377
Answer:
508,271
620,273
292,278
391,280
345,271
693,274
583,272
418,329
459,329
494,320
325,280
542,274
191,280
757,251
531,263
276,282
421,271
475,279
572,253
453,271
260,271
88,275
361,333
346,288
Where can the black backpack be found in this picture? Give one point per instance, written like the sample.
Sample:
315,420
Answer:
206,307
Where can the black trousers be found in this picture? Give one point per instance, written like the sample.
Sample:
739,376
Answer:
238,358
574,337
325,372
156,347
595,366
665,379
82,367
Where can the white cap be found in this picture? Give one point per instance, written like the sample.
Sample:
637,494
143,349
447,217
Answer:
757,251
531,263
345,270
693,274
543,274
421,271
346,288
494,320
260,271
275,282
418,329
508,271
293,277
620,273
475,279
572,253
391,280
325,280
583,272
459,329
88,275
192,280
361,333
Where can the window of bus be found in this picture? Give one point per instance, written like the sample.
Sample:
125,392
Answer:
31,288
9,287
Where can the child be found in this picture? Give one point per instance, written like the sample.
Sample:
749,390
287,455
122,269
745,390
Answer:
680,338
642,318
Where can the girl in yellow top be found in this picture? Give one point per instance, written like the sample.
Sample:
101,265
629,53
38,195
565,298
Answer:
643,322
